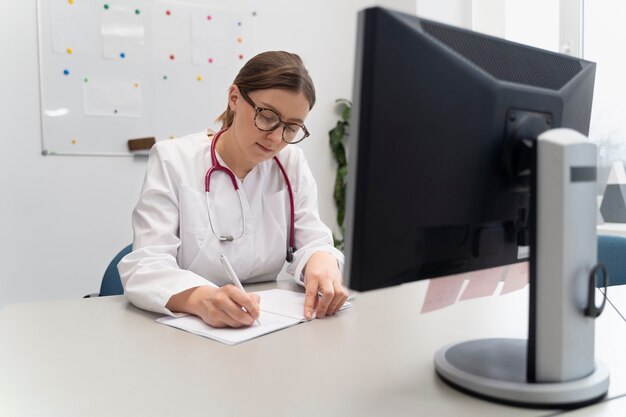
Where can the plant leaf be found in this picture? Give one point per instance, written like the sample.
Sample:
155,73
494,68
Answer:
345,114
337,136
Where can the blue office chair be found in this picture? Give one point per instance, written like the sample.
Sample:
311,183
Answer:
111,283
612,253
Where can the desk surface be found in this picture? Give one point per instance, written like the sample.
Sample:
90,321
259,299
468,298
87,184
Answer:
615,229
617,297
103,357
613,408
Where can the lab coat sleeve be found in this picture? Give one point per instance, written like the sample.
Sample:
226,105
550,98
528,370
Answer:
311,234
150,274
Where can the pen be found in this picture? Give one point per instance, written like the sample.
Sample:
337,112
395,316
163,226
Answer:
233,277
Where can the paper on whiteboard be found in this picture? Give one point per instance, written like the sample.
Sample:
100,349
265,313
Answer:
122,33
74,27
112,97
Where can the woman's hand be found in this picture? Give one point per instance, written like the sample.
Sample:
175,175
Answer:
218,307
322,276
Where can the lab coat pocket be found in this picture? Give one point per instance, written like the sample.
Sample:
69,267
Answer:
194,221
276,213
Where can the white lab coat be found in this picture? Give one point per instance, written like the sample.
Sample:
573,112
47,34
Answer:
174,248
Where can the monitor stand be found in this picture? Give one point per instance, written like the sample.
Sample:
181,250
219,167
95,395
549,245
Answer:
495,369
555,367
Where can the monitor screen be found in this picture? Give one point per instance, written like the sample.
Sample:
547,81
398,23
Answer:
438,174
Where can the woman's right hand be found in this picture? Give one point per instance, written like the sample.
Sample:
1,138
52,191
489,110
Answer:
218,307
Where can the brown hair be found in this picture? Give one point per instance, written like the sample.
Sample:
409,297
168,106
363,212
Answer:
272,69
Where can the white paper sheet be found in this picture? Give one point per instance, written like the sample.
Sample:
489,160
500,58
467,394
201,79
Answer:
74,27
171,34
122,33
279,309
221,38
112,97
193,324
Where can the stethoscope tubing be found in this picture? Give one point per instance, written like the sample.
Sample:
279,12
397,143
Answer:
216,166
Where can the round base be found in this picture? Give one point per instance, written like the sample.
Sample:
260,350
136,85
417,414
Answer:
495,369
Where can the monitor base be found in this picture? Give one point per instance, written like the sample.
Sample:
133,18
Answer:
495,369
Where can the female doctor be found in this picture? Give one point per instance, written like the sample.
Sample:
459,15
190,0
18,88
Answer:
246,193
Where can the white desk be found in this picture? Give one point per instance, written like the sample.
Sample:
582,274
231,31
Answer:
617,297
612,408
103,357
615,229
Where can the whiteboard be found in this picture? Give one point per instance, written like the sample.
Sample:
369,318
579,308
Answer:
117,70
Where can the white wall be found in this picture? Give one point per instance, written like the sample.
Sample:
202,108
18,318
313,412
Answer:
451,12
603,44
63,218
488,16
533,22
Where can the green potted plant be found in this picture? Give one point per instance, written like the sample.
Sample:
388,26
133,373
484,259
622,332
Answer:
337,136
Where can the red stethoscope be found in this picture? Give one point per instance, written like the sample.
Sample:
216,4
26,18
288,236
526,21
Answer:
207,185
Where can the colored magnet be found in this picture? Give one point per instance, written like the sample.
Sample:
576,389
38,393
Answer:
239,39
69,50
136,85
106,7
165,77
199,78
122,55
209,17
70,1
73,141
66,72
168,13
240,56
172,57
137,11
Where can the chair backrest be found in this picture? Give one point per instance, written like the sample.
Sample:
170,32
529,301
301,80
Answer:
111,283
612,253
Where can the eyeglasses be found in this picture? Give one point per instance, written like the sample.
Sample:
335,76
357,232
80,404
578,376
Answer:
267,120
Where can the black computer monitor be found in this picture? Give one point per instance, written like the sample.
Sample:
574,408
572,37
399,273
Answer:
438,166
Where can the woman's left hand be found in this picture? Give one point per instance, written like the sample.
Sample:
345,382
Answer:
322,276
